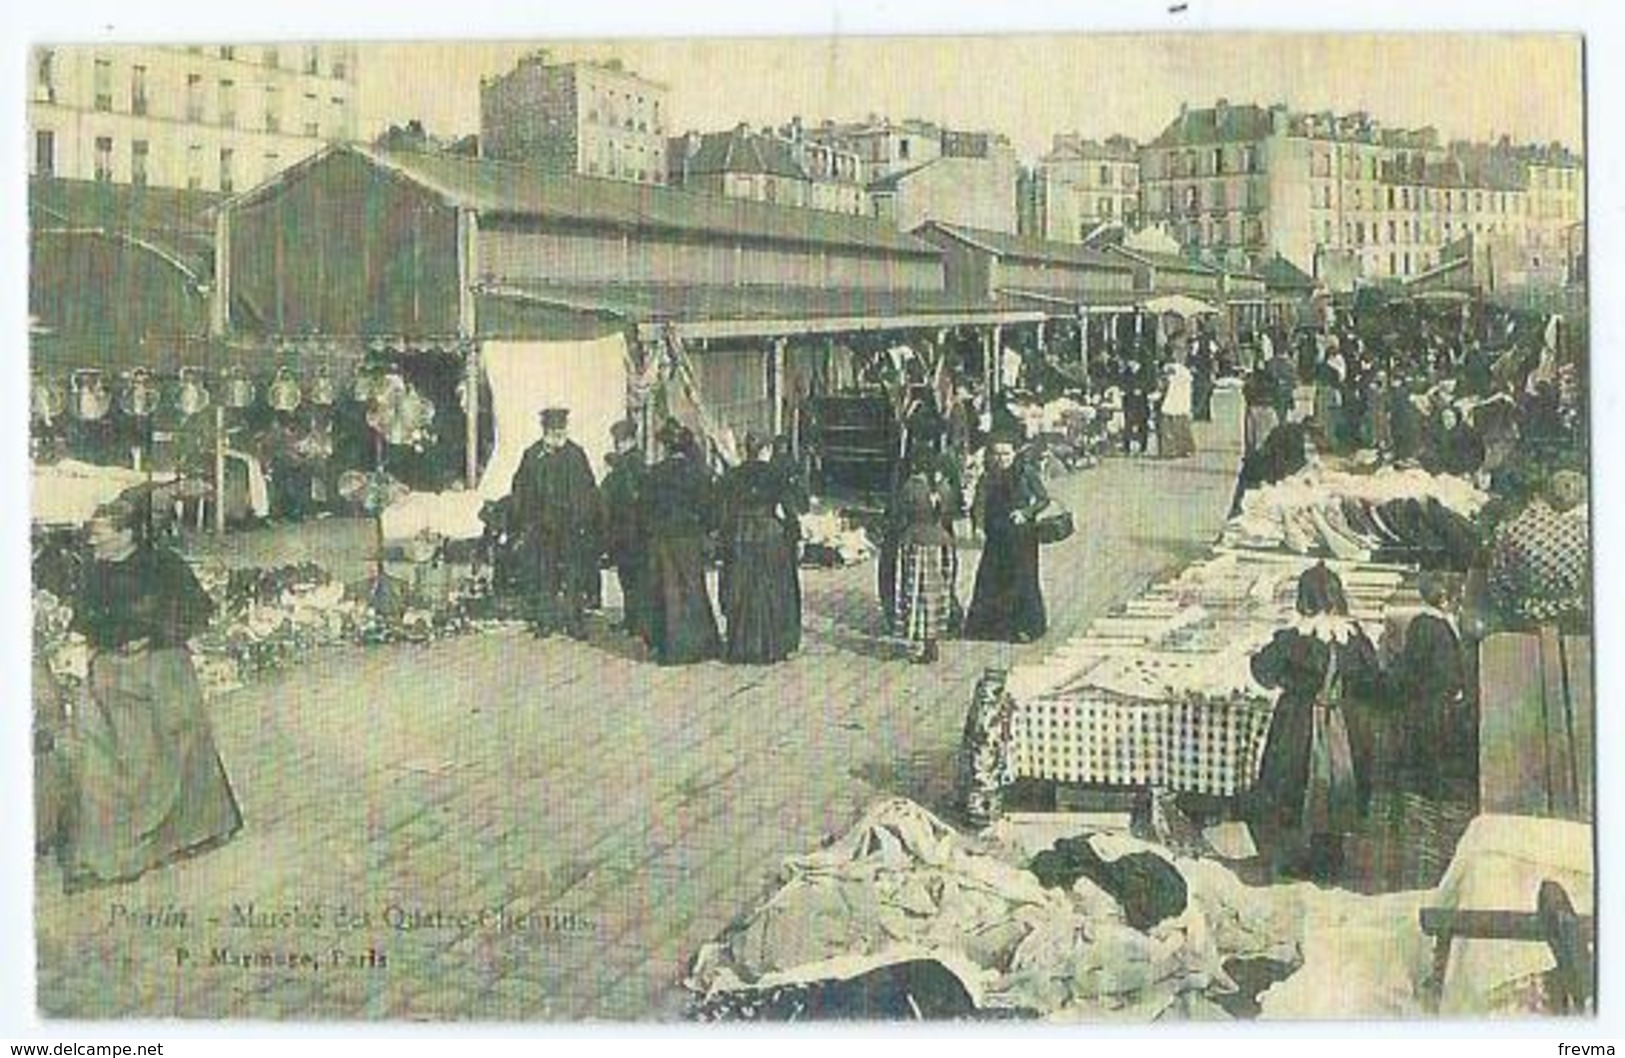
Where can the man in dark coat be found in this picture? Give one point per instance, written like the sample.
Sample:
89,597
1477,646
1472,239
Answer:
557,511
623,532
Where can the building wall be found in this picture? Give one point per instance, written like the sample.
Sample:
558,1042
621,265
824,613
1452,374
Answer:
110,112
971,192
586,257
1064,281
576,118
1080,194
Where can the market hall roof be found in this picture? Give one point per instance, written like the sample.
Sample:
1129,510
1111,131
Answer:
1022,248
741,311
509,189
118,275
173,222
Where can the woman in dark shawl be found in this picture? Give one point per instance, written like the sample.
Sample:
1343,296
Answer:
1314,779
676,510
1429,680
761,595
151,787
1008,601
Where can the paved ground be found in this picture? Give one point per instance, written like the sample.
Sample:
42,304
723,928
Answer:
490,828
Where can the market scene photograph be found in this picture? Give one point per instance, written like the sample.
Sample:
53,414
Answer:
1083,529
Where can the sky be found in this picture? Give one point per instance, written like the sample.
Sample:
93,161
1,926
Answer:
1470,86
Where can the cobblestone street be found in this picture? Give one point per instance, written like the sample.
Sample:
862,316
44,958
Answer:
493,828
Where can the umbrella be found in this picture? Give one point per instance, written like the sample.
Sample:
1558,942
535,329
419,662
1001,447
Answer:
1180,305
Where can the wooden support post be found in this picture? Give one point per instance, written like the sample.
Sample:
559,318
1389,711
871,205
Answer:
219,468
998,359
1083,347
472,374
776,380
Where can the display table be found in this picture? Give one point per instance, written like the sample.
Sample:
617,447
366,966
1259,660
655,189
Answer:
1159,695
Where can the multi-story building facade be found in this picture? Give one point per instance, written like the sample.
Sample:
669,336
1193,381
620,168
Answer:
1342,195
883,148
782,167
918,171
218,118
594,119
1081,185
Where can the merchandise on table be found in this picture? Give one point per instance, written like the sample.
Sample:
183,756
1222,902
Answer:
1351,516
1159,694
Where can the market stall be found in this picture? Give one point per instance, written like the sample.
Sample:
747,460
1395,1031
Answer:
1159,695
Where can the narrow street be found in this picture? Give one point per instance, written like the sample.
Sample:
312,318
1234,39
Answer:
491,828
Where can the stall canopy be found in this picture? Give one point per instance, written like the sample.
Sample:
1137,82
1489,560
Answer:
1180,305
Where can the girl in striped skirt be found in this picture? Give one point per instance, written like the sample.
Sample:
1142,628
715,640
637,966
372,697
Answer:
928,562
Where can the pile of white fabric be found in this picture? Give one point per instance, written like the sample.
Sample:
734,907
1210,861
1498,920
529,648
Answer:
1305,512
902,883
830,539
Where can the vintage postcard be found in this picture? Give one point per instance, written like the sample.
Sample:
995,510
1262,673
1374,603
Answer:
1082,528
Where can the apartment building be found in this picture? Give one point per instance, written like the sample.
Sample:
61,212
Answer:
213,118
587,118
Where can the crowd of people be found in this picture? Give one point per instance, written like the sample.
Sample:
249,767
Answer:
1493,399
663,525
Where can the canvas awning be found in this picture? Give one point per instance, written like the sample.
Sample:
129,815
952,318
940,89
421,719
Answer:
1180,305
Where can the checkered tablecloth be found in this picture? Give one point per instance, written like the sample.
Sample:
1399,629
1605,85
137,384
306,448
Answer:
1191,746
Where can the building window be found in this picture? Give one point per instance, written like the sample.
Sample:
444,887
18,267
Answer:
228,104
273,164
902,149
1359,233
1105,176
139,150
272,57
1393,235
313,125
273,109
1106,207
45,76
227,156
194,166
341,69
1393,264
1407,262
44,153
313,59
194,98
104,158
138,89
227,51
104,84
1218,160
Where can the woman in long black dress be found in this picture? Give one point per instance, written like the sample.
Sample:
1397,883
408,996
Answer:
151,787
1314,779
761,594
1008,600
677,507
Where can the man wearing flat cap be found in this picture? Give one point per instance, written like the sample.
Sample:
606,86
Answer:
557,510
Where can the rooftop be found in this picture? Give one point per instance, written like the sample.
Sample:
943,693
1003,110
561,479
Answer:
1023,248
511,189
